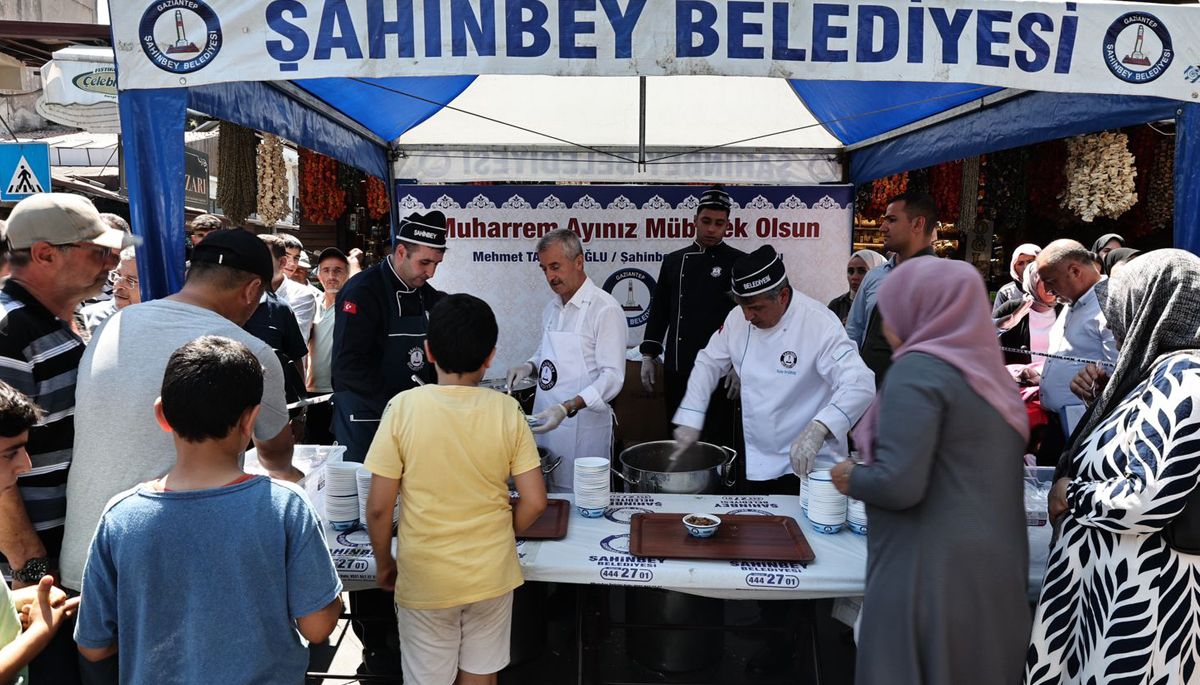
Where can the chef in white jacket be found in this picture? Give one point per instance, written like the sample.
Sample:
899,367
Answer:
803,382
580,362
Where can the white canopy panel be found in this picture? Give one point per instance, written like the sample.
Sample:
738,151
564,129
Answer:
698,129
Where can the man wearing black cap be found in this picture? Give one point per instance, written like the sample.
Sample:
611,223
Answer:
689,303
803,383
378,352
118,442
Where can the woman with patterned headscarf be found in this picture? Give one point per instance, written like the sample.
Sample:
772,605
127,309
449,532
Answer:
1023,256
1121,599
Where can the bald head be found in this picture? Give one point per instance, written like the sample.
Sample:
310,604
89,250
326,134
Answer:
1067,270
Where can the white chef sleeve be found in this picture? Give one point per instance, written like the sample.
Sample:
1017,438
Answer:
611,332
843,369
712,363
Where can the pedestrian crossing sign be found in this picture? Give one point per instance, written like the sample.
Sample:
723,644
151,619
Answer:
24,170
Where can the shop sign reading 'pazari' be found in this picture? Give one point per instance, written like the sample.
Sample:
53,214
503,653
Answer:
1087,47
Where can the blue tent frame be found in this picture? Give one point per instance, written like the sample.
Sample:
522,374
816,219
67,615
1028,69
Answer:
886,128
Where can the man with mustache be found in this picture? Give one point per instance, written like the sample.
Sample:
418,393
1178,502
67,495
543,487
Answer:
61,253
580,362
125,291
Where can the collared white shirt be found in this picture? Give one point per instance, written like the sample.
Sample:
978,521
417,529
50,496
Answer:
604,333
1080,331
322,347
800,369
302,302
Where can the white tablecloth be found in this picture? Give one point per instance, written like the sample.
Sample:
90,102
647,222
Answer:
596,551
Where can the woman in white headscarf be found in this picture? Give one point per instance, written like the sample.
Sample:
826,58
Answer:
856,270
1023,256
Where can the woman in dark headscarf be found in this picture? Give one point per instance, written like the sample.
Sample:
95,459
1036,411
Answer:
1117,257
1107,243
1119,600
947,557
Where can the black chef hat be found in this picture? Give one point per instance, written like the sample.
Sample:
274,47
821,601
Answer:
758,272
715,198
423,229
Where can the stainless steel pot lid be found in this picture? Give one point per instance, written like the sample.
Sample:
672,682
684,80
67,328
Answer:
502,385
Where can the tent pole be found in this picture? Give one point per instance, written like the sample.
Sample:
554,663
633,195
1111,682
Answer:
394,208
641,124
1187,183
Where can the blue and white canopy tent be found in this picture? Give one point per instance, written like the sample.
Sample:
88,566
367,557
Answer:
899,85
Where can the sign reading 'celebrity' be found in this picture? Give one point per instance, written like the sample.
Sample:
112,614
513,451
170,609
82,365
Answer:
1091,47
492,234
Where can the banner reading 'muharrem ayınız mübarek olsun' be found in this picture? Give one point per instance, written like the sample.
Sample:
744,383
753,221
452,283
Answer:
1088,47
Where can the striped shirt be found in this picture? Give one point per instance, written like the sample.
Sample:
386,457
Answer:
39,355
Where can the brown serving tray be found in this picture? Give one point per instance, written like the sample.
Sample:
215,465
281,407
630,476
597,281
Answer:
741,537
552,524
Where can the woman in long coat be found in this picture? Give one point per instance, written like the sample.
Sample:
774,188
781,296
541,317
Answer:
942,478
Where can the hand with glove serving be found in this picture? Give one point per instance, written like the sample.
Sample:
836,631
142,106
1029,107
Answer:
805,448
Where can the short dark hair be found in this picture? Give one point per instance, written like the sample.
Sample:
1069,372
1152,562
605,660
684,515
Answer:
275,243
917,204
18,413
207,222
290,242
209,383
462,333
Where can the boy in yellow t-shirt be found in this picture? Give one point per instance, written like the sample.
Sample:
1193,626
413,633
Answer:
449,450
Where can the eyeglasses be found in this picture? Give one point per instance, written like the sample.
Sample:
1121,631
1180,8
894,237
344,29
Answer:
114,278
97,250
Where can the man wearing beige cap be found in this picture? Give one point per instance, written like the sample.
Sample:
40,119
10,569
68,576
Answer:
61,253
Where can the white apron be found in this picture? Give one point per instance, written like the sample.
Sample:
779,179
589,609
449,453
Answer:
561,376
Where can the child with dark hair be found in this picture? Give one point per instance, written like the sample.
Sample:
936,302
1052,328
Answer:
208,574
30,616
449,450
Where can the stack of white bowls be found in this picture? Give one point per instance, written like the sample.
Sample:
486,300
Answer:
856,516
341,494
591,486
363,477
826,506
804,495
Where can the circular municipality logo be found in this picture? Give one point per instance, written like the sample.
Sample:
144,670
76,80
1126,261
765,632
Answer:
624,514
180,36
788,359
617,544
1137,48
548,376
416,359
354,538
632,289
750,512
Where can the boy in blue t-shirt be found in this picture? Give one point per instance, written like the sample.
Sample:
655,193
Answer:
208,575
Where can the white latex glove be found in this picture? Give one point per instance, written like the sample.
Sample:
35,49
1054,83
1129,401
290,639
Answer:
648,372
805,448
685,437
549,419
518,373
733,384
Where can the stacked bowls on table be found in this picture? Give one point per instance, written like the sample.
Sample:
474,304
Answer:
363,477
826,506
804,495
856,516
591,486
341,495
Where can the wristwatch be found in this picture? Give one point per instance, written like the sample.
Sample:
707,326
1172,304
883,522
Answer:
571,412
33,570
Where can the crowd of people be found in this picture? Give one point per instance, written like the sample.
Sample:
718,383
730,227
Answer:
125,513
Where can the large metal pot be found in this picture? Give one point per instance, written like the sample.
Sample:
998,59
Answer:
701,470
523,390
